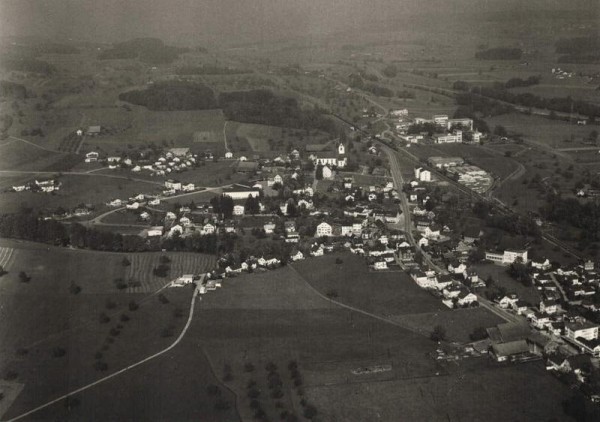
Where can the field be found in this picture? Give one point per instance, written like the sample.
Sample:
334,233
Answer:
490,394
76,190
50,334
261,139
502,279
18,155
182,263
552,133
193,129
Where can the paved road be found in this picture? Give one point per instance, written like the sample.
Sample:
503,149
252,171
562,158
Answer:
91,173
119,372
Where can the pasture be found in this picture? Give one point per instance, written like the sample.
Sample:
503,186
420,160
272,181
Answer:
70,314
380,293
490,394
261,139
77,189
21,156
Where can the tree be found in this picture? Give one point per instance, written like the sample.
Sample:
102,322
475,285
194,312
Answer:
500,130
23,277
125,262
319,172
478,333
252,205
438,333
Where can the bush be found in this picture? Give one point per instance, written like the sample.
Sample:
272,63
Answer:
271,367
10,376
98,355
23,277
133,306
248,367
177,313
110,304
277,393
74,289
114,332
163,299
103,318
438,333
254,404
58,352
100,366
125,262
161,271
124,318
164,259
254,393
293,365
339,261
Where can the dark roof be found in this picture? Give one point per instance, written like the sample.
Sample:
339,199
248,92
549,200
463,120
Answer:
511,348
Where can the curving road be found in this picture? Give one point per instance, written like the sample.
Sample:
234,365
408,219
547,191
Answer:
121,371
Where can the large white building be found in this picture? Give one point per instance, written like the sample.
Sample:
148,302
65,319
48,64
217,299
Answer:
422,174
238,191
507,257
449,138
585,330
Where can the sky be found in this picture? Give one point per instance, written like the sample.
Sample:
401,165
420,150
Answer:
192,22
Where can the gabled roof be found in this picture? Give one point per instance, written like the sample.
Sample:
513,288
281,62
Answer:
511,348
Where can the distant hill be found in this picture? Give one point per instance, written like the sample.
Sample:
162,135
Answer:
147,50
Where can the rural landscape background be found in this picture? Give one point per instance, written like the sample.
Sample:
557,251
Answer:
300,211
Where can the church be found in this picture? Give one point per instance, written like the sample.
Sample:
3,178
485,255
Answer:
335,158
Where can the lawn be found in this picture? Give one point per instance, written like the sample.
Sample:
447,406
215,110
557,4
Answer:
392,293
502,279
458,324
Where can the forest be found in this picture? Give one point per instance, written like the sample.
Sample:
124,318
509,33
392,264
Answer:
147,50
172,95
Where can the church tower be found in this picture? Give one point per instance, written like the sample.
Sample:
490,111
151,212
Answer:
341,149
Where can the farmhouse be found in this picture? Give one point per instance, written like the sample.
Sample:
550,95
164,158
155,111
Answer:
179,152
422,175
155,231
324,229
91,157
173,184
510,351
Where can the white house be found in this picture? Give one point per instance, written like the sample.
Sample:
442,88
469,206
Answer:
229,154
238,191
155,231
173,184
422,174
585,330
238,210
324,229
188,187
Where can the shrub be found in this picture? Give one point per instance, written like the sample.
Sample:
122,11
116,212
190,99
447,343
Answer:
271,367
124,317
339,261
254,393
133,306
251,384
103,318
163,299
98,355
23,277
100,366
293,365
248,367
254,404
58,352
277,393
10,376
177,313
110,304
310,411
74,289
125,262
114,332
164,259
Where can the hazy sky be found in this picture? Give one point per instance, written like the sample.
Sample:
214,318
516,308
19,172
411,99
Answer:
197,21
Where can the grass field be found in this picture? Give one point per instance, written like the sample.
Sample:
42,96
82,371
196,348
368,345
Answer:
44,315
380,293
248,137
494,394
76,190
18,155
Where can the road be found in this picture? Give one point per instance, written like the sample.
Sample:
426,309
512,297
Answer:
121,371
97,221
